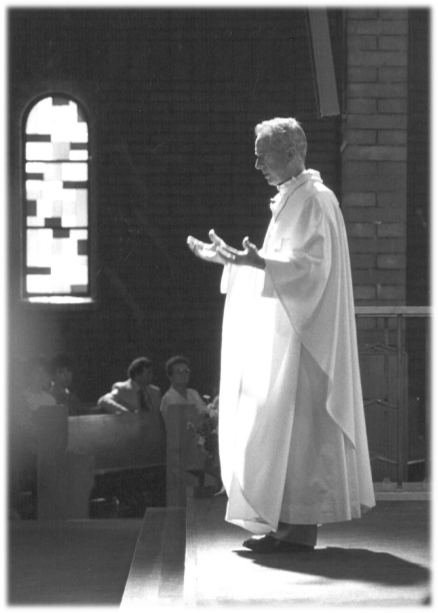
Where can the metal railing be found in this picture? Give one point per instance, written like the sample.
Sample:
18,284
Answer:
401,313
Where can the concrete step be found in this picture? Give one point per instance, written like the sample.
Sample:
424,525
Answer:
156,576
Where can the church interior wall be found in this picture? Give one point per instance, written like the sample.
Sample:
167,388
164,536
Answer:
173,97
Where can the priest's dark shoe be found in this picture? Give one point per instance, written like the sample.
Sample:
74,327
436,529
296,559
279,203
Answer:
269,544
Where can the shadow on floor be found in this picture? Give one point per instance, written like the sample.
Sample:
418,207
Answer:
346,564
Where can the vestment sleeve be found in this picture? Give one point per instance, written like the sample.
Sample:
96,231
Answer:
298,267
225,279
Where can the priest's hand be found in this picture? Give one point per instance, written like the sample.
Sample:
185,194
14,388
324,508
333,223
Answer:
248,257
208,251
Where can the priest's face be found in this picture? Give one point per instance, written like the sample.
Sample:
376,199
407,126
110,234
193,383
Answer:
275,165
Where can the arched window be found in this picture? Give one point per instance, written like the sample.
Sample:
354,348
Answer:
56,208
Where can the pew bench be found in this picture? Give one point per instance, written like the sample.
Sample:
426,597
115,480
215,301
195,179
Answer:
81,457
129,456
103,456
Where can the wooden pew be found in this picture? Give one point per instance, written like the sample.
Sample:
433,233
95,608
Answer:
118,442
129,454
73,451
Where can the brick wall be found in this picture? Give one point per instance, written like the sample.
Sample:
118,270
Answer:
418,188
374,158
386,170
418,269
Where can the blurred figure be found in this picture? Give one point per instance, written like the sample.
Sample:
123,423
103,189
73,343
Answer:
136,394
36,392
61,369
178,372
23,432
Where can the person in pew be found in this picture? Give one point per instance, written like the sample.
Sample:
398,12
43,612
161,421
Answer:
36,392
23,430
136,394
61,369
178,372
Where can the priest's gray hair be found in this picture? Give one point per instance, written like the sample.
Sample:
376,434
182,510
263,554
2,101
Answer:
284,132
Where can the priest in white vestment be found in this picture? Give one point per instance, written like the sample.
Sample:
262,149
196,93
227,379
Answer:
292,435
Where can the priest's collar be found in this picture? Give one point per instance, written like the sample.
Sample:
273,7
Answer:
292,184
308,173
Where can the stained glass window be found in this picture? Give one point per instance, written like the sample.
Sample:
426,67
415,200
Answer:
56,202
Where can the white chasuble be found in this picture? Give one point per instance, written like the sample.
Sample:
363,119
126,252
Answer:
292,433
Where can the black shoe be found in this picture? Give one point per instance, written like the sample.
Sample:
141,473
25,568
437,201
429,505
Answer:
269,544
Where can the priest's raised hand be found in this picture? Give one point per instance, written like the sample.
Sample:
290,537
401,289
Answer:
248,257
220,253
208,251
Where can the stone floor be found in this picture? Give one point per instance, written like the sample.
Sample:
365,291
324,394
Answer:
384,559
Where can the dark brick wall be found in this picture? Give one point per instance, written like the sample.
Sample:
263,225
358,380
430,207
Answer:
418,189
418,213
172,97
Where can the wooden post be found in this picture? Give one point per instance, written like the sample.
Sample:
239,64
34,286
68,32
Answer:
181,452
428,401
402,407
65,478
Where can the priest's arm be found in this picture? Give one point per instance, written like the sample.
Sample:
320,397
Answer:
296,257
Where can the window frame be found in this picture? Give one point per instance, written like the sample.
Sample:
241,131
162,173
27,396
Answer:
59,301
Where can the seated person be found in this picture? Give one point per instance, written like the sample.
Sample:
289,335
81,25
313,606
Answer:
36,392
178,372
137,394
23,428
61,368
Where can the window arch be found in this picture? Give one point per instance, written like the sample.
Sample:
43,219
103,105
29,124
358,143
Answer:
56,202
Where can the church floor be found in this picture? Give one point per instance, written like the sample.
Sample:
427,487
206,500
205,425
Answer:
82,562
381,560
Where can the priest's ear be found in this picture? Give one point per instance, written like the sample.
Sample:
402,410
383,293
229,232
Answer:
290,153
